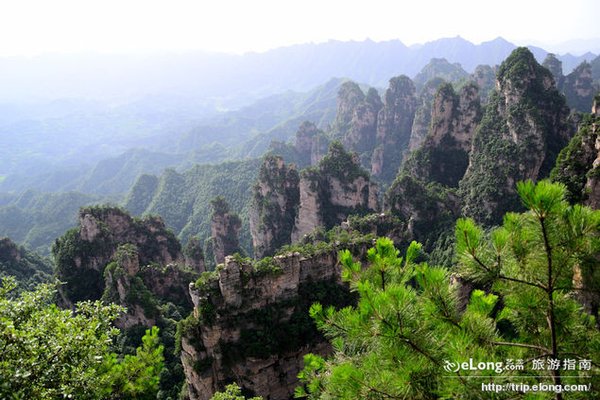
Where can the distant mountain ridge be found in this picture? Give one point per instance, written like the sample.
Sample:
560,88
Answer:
233,80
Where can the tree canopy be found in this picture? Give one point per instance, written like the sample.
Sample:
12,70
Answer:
411,331
51,353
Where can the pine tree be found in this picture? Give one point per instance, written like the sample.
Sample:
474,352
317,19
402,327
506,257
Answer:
408,334
395,342
534,261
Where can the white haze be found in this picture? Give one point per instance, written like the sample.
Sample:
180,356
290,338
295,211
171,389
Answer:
29,27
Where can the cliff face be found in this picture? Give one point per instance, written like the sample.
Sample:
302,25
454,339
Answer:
444,155
274,206
578,165
225,229
554,65
394,126
356,121
142,288
578,86
335,189
429,209
119,258
309,146
579,89
361,133
251,325
440,68
422,119
380,132
484,77
523,129
194,255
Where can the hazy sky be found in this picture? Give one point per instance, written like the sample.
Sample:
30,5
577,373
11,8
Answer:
30,27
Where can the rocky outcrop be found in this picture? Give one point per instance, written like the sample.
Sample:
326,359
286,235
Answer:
225,229
429,209
422,119
484,77
27,268
141,289
356,121
522,131
83,252
394,126
194,255
309,210
578,165
444,155
276,197
579,89
251,325
335,189
350,97
440,68
309,146
554,65
362,131
578,86
378,132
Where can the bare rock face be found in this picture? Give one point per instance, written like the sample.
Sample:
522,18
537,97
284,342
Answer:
274,206
309,146
356,122
394,126
309,214
194,255
426,207
328,194
225,229
578,166
444,155
378,131
82,254
361,193
311,143
484,77
361,135
578,88
140,289
251,326
523,129
554,65
422,120
350,96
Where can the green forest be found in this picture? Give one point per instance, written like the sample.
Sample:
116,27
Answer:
432,236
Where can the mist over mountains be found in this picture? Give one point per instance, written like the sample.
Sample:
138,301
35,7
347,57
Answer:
227,81
55,108
229,202
92,124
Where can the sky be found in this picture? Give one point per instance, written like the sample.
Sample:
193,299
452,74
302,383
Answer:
31,27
